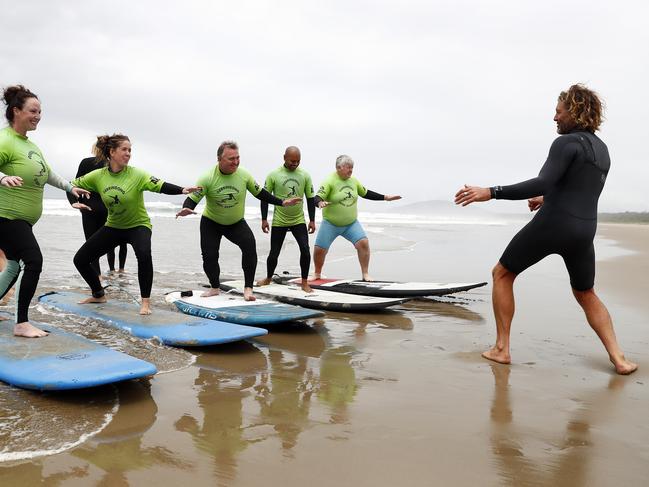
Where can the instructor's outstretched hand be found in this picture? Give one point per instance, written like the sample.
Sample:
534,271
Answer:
392,197
192,189
472,194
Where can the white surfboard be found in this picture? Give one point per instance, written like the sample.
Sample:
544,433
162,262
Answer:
387,288
318,299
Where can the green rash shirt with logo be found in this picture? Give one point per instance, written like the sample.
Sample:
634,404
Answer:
225,194
21,157
122,193
289,184
342,196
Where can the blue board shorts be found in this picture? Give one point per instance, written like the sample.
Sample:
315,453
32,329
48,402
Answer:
328,232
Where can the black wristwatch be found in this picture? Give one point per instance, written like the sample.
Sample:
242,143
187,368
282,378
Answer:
495,191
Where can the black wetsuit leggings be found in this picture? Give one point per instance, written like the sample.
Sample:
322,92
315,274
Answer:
277,235
91,223
555,232
107,238
23,255
239,234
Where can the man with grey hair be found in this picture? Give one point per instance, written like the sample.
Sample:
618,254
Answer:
338,197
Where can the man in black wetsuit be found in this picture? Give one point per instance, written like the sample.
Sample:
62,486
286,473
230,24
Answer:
566,191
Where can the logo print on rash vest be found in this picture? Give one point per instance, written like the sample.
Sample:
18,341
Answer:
39,181
113,207
226,196
349,199
291,188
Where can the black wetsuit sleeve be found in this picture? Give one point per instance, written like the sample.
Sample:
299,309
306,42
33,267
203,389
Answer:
264,195
317,200
86,166
310,206
264,210
371,195
168,188
189,203
562,152
71,198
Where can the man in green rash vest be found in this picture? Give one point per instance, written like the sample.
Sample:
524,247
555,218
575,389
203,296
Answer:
287,181
224,187
338,196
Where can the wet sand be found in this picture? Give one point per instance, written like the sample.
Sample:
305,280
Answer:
401,397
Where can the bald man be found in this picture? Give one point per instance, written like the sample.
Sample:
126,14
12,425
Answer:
289,181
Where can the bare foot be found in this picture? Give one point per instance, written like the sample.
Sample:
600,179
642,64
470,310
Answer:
145,307
305,286
247,294
8,296
121,271
315,277
213,291
93,299
264,282
367,278
27,330
498,355
624,366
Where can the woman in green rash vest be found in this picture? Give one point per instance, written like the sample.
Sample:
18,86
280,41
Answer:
23,174
121,189
338,195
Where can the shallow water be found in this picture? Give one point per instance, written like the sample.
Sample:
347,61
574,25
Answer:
349,399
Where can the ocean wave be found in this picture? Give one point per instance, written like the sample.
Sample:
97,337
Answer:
167,209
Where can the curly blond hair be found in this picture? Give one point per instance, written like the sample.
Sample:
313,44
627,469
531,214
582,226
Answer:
585,106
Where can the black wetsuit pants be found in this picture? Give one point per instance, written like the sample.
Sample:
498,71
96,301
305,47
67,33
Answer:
107,238
23,255
277,235
239,234
555,232
91,223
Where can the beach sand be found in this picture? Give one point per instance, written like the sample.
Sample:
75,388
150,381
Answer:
395,398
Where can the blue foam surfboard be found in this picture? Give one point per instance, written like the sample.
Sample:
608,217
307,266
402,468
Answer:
63,360
169,327
233,308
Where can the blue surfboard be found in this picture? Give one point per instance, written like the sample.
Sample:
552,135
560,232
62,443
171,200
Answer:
169,327
233,308
63,360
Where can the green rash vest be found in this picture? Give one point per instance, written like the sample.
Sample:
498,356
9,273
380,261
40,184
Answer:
122,193
289,184
21,157
342,196
225,194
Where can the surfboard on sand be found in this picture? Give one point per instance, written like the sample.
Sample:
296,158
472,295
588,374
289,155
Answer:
234,309
387,289
63,360
169,327
319,299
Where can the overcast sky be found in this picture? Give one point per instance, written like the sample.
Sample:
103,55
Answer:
423,95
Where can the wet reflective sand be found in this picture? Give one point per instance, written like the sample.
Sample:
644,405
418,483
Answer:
398,397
